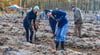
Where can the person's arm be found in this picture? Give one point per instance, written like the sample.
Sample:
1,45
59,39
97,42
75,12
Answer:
77,15
58,15
28,19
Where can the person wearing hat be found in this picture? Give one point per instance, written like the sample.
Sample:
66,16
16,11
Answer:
22,12
27,23
62,25
52,22
77,20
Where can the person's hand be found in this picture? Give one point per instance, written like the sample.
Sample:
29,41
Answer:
53,37
32,24
49,14
35,30
75,23
55,31
38,20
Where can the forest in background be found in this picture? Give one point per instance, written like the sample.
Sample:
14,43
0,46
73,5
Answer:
52,4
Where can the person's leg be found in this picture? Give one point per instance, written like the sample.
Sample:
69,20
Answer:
63,35
27,31
52,25
31,35
75,30
58,37
79,29
27,35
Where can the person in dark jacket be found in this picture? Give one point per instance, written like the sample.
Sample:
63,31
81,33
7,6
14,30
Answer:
62,25
52,22
22,12
27,23
77,20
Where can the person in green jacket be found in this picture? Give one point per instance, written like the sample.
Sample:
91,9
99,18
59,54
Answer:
77,20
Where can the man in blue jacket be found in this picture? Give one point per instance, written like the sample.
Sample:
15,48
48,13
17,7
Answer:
27,23
62,21
52,22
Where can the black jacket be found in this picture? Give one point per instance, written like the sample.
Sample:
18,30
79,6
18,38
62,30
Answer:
29,18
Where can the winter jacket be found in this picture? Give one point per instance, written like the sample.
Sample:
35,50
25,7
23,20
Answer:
77,16
30,17
60,16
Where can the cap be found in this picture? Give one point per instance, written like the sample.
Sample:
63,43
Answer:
36,7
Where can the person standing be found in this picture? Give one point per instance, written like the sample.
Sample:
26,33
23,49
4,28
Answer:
77,20
27,23
22,12
97,18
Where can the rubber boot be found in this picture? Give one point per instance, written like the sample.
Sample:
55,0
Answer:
57,45
62,45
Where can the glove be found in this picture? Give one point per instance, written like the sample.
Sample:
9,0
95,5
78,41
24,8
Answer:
75,23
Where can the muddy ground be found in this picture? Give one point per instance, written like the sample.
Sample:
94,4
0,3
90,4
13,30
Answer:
12,38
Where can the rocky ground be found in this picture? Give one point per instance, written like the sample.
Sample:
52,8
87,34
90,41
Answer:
12,38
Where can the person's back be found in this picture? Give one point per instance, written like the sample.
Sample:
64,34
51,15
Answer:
77,21
60,16
30,15
77,16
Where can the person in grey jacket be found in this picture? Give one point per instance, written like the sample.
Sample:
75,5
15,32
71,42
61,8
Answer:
77,20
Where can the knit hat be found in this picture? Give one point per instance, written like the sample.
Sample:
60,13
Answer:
73,6
36,7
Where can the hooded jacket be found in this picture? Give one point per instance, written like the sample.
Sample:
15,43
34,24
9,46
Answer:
77,16
60,16
30,17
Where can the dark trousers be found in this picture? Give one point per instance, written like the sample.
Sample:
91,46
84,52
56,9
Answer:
27,29
52,23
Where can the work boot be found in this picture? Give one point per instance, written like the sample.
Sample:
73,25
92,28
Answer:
62,45
31,42
57,45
